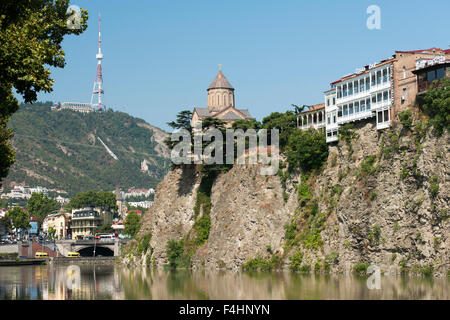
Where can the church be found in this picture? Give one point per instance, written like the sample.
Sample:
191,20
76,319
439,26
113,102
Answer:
220,103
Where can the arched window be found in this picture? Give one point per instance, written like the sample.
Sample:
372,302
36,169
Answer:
225,100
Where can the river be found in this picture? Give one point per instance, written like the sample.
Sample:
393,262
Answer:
87,282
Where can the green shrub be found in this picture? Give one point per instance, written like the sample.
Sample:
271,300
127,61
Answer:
427,271
176,255
303,193
307,150
434,186
367,166
290,232
373,196
143,244
405,118
295,261
203,226
257,264
436,103
374,235
361,268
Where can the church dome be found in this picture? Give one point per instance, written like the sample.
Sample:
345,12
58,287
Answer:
220,82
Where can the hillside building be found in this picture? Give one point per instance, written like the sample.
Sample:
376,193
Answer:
381,90
220,103
85,220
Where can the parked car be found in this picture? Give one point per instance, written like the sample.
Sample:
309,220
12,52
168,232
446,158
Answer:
40,254
73,255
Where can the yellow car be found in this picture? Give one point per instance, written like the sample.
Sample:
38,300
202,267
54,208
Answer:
40,254
73,255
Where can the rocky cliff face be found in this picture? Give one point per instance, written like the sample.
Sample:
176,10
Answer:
383,197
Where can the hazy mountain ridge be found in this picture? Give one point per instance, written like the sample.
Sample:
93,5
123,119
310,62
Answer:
62,149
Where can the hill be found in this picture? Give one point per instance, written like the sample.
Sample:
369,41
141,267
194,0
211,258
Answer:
63,149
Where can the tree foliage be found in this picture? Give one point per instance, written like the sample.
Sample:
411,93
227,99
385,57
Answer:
19,218
132,224
436,103
103,199
307,150
285,122
31,33
40,206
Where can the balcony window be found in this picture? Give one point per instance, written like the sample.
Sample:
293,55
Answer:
355,85
361,85
344,90
350,89
385,78
339,92
378,77
367,83
350,108
329,120
356,107
328,102
334,101
373,79
385,96
345,111
367,104
334,117
339,113
363,105
386,115
374,100
379,97
440,73
431,76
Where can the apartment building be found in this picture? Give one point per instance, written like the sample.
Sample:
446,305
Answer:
379,91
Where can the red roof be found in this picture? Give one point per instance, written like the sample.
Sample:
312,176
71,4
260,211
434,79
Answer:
423,50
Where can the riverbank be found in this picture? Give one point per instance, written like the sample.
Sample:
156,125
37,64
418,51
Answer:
21,262
84,260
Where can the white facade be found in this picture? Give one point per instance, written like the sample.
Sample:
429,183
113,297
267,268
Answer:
359,97
331,124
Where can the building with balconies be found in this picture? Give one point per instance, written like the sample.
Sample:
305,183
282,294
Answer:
381,90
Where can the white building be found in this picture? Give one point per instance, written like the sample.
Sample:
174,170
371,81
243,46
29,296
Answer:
142,204
362,95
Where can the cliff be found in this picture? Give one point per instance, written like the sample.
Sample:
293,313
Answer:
381,198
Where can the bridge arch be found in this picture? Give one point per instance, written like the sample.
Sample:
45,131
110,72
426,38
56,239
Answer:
99,251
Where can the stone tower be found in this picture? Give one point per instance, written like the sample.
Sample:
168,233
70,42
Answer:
220,94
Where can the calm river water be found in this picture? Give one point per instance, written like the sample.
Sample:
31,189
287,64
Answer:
111,282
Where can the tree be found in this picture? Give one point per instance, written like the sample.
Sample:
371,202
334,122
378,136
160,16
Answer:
103,199
307,150
31,33
436,103
132,224
183,122
19,218
40,206
285,122
106,228
246,124
51,233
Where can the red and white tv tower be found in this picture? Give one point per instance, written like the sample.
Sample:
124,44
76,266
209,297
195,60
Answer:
98,82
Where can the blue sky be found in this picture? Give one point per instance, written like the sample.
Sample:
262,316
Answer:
160,56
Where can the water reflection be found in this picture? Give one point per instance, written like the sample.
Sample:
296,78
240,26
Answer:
90,282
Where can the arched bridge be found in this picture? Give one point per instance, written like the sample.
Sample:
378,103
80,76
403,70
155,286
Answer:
91,248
